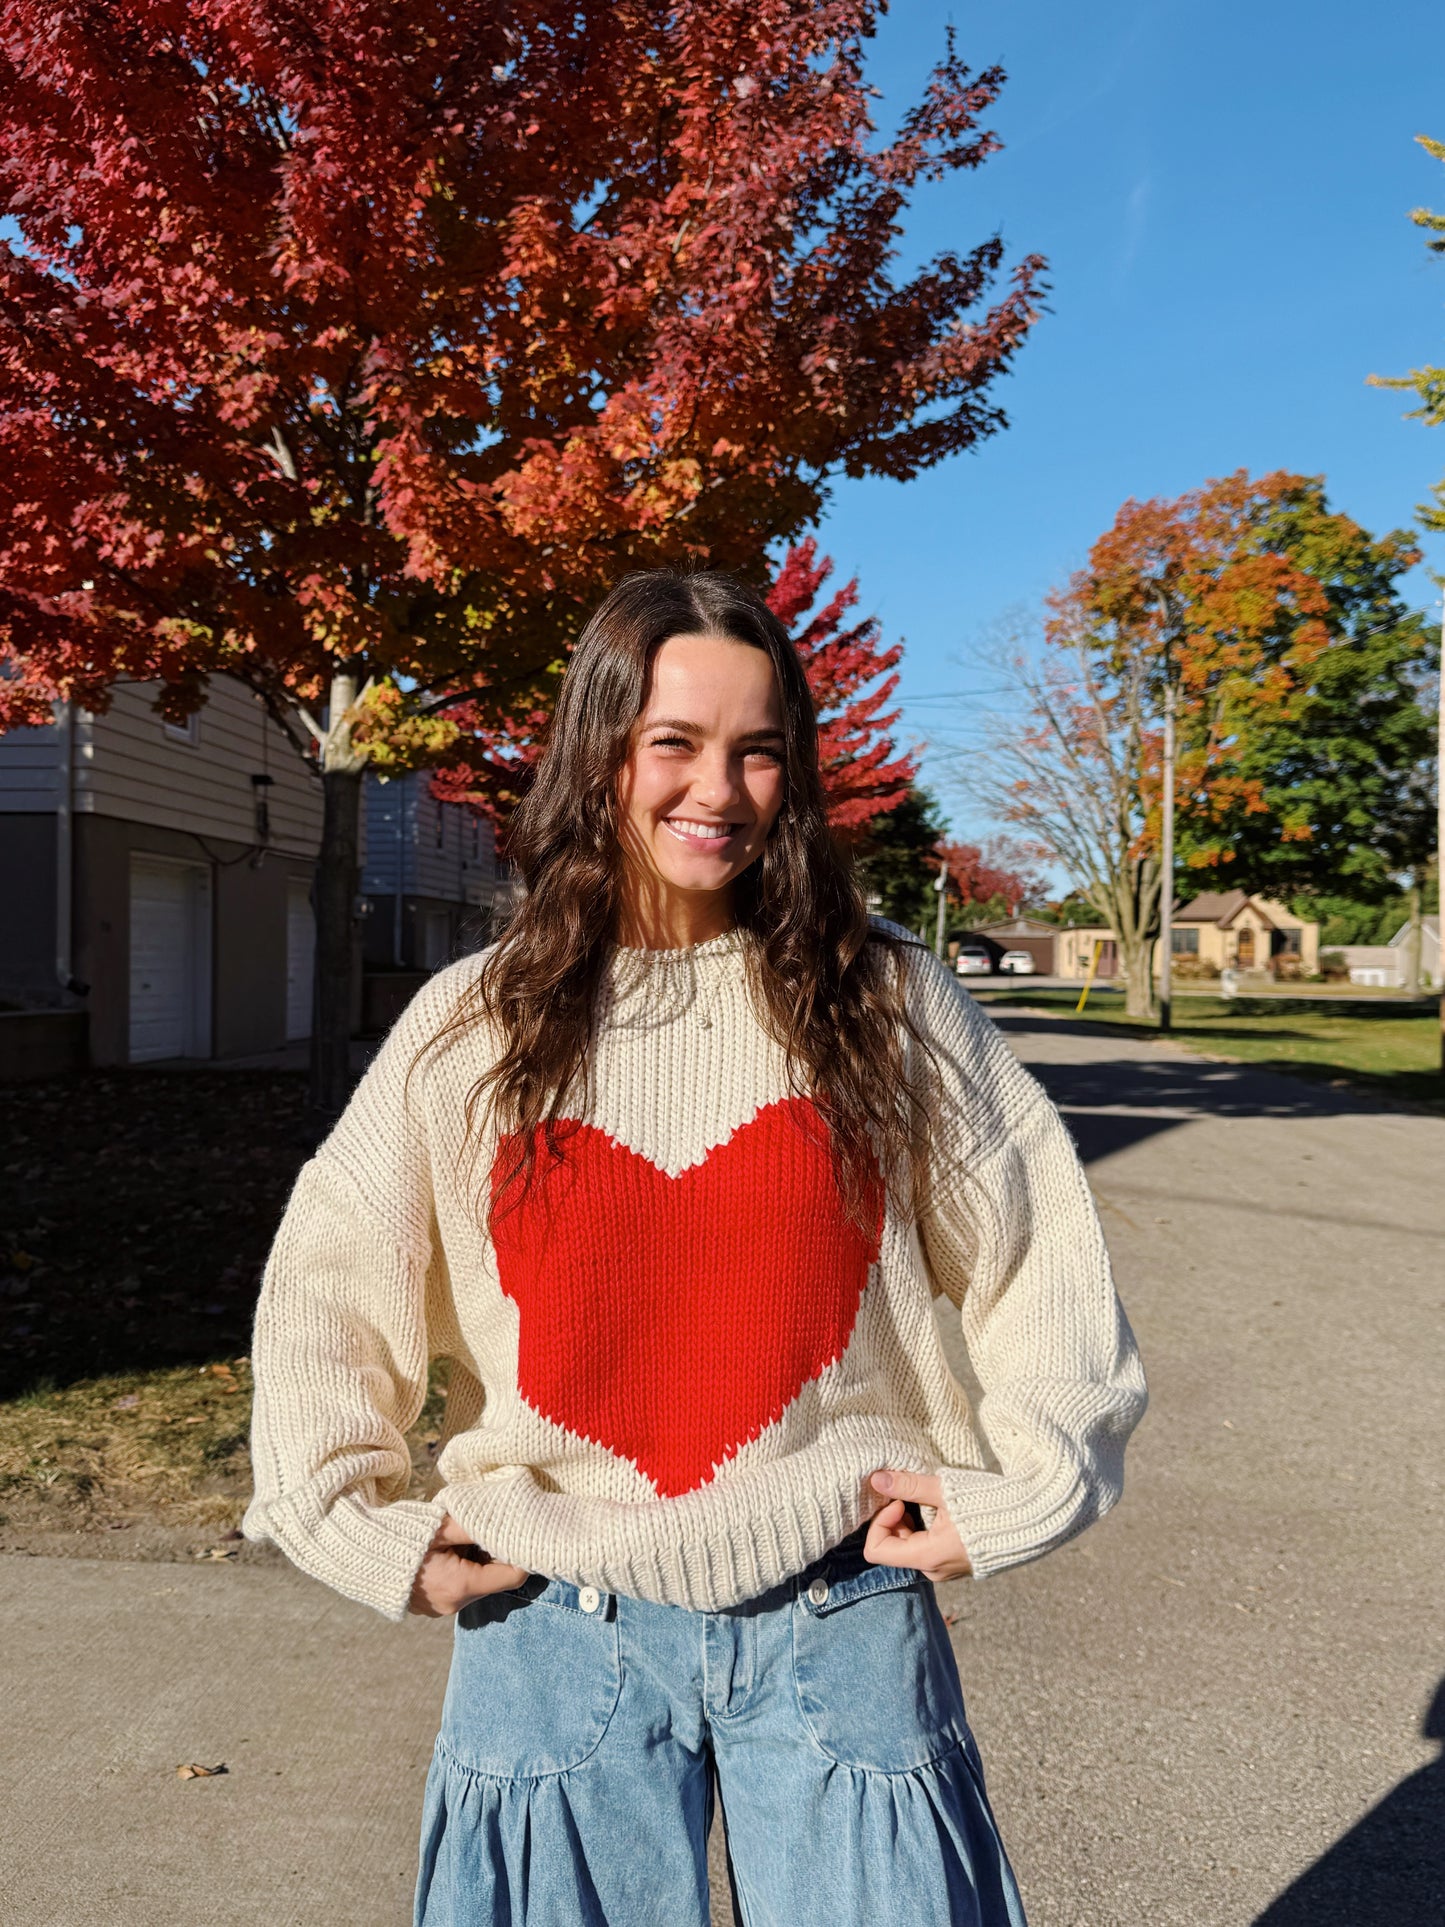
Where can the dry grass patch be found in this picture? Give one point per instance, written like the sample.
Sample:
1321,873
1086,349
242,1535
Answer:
167,1448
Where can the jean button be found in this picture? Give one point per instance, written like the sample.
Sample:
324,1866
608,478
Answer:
589,1599
818,1592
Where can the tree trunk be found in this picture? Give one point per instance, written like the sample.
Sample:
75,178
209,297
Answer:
333,894
334,890
1135,953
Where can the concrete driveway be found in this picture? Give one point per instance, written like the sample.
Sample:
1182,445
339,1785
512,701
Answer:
1221,1707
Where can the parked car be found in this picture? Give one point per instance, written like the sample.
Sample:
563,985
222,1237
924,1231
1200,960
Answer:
973,961
1019,963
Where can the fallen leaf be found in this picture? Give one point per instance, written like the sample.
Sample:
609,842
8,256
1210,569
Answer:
191,1771
128,1403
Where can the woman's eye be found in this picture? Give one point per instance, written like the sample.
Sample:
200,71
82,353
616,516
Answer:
670,742
773,756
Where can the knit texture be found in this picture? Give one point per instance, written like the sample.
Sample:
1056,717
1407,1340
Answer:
679,1361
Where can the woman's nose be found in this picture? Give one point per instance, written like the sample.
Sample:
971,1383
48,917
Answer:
715,783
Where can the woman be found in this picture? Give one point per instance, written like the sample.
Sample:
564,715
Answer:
673,1174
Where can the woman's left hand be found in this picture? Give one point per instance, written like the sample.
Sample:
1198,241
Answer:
893,1540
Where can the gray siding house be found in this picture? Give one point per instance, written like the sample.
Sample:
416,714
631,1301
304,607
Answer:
158,880
430,876
159,877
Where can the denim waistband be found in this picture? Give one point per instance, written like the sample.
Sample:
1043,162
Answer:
842,1571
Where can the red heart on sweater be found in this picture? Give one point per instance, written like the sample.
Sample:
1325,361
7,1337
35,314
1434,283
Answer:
671,1319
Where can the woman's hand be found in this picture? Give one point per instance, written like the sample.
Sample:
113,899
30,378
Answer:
938,1552
456,1571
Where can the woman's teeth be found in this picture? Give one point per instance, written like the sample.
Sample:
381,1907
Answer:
691,832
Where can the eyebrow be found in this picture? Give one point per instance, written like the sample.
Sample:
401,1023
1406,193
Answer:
696,729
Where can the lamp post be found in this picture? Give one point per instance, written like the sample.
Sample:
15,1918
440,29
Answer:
941,886
1166,862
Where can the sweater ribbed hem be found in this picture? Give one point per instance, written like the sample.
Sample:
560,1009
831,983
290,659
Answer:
707,1551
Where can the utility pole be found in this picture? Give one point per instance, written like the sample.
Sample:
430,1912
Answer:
1440,833
942,888
1166,862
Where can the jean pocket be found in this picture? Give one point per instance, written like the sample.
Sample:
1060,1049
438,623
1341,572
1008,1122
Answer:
876,1680
534,1680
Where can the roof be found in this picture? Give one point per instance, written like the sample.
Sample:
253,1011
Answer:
1429,933
1221,907
1020,927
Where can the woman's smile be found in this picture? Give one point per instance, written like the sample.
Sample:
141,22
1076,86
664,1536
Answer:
700,835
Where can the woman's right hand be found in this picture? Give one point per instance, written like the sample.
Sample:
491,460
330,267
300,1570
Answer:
456,1571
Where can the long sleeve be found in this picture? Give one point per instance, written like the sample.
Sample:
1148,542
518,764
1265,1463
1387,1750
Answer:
1017,1244
1012,1237
341,1345
340,1360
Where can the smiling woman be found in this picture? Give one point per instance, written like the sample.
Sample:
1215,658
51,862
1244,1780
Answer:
699,797
673,1174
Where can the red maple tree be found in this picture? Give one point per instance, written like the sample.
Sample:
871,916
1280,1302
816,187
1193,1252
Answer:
348,344
991,874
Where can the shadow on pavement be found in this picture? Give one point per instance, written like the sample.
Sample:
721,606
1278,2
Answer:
1387,1871
1114,1102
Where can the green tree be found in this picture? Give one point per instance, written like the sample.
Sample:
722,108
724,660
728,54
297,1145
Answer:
898,859
1427,382
1337,775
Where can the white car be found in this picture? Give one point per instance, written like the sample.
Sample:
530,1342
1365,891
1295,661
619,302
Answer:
1019,963
973,961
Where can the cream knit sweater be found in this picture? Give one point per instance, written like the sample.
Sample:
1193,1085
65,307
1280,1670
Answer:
676,1368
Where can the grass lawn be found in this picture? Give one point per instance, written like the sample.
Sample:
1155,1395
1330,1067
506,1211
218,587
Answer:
1374,1045
136,1210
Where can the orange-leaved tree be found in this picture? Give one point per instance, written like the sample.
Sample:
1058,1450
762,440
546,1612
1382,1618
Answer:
1187,592
348,344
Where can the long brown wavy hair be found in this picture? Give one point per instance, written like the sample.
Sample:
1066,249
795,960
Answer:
827,982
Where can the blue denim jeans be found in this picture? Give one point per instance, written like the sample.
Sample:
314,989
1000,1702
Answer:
585,1736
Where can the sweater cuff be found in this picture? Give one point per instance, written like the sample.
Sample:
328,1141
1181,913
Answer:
1006,1519
369,1553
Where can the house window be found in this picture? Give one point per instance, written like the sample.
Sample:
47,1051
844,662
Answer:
1288,943
1185,943
187,732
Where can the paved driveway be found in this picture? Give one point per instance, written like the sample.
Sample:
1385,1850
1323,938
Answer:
1212,1710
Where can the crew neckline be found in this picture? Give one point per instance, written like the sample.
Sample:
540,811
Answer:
672,954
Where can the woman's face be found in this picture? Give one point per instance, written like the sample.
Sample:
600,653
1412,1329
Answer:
703,781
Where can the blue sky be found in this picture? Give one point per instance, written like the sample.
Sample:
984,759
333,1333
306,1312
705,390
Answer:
1222,192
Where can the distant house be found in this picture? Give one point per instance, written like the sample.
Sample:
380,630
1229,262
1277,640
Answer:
1221,930
1024,933
1386,966
430,877
159,877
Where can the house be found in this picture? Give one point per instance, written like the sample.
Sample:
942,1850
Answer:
1386,966
430,877
158,876
1232,930
1215,932
1024,933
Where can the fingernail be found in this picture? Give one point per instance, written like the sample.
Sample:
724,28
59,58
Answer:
883,1481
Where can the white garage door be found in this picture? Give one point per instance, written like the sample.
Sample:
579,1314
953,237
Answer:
300,959
170,960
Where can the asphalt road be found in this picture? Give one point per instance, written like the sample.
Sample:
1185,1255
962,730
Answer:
1221,1707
